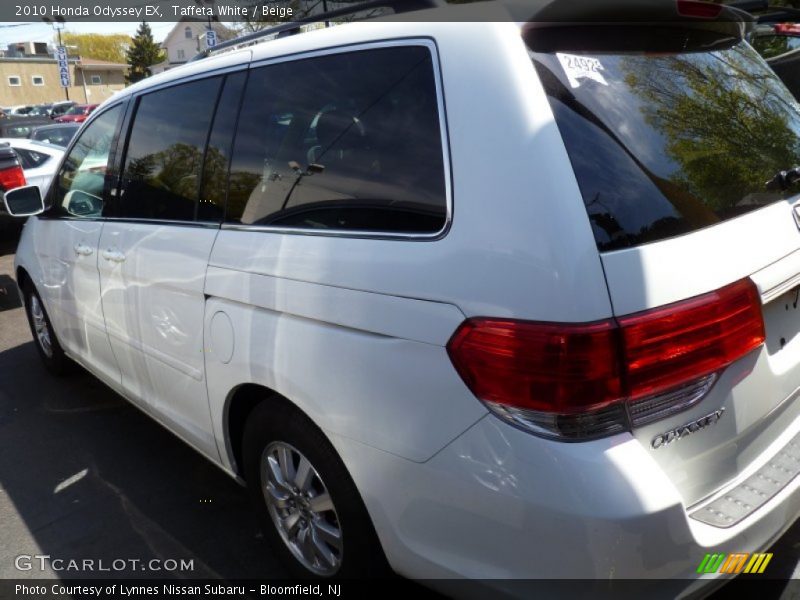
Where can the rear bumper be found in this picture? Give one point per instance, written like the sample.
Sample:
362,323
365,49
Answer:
498,503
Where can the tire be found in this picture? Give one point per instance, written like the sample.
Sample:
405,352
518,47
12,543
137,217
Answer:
44,337
273,431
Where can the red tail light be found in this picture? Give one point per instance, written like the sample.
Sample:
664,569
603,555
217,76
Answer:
576,369
680,342
12,178
700,10
563,368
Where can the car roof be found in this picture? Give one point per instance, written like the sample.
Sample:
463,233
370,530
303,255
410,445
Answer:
65,125
33,145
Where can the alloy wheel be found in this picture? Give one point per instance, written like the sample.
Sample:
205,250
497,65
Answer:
301,508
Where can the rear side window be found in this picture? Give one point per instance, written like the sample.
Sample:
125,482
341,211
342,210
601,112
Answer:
667,140
31,159
164,156
60,136
18,131
347,141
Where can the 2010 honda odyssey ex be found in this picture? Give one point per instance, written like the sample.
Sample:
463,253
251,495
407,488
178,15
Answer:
508,299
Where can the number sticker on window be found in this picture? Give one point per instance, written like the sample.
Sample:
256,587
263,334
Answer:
581,67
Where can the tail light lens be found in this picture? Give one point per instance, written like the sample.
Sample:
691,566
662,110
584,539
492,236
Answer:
699,10
12,178
587,380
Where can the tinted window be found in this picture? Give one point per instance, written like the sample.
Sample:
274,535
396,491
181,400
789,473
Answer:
215,168
80,183
770,46
31,159
341,142
161,174
667,142
18,131
60,136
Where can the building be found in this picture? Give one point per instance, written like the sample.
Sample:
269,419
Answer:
34,79
185,40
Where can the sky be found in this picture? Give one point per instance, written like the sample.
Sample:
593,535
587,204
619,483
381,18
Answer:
42,32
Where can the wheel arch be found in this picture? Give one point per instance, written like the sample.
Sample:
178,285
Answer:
23,278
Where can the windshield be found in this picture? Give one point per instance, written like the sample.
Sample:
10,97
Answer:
76,110
667,142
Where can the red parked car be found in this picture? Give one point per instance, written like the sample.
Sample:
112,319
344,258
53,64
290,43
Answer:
77,114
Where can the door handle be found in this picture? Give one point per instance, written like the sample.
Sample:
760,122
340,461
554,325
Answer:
83,249
114,256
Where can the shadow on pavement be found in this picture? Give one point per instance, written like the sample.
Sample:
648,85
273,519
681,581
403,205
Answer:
9,298
92,477
9,236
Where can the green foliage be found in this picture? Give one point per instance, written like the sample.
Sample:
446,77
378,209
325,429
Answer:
771,45
143,53
727,121
111,48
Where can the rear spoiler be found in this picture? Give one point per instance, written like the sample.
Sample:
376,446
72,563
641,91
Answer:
727,19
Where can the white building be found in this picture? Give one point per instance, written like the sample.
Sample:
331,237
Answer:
185,40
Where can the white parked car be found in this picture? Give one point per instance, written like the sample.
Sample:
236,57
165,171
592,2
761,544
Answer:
39,160
464,297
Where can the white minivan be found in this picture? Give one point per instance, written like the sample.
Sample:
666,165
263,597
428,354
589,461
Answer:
466,299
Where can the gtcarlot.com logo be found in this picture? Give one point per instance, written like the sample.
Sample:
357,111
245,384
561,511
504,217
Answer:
735,563
45,562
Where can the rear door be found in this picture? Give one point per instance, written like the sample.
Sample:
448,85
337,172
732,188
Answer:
155,247
673,136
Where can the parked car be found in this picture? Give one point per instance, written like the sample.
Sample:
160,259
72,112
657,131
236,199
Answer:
468,295
775,34
20,127
40,110
39,160
76,114
59,134
11,176
19,110
59,108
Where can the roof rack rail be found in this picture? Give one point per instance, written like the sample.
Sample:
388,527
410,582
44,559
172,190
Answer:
292,27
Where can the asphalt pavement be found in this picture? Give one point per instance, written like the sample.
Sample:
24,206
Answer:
85,475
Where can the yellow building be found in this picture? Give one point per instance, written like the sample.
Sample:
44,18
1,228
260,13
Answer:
35,80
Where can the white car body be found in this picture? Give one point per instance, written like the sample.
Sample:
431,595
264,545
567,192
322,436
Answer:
42,174
353,330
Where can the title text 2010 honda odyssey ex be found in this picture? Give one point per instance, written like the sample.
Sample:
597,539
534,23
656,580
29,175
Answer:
507,299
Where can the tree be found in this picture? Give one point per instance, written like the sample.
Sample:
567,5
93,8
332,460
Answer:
725,118
143,53
111,48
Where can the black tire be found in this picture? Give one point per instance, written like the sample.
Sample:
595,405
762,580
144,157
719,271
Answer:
276,423
55,360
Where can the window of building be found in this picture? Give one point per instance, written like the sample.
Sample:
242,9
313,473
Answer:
37,80
348,141
181,54
164,155
14,80
187,33
96,80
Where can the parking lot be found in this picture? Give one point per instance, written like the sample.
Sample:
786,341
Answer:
84,475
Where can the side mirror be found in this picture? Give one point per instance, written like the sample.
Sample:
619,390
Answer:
82,204
24,201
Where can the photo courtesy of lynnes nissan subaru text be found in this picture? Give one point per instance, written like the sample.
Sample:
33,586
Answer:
468,294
